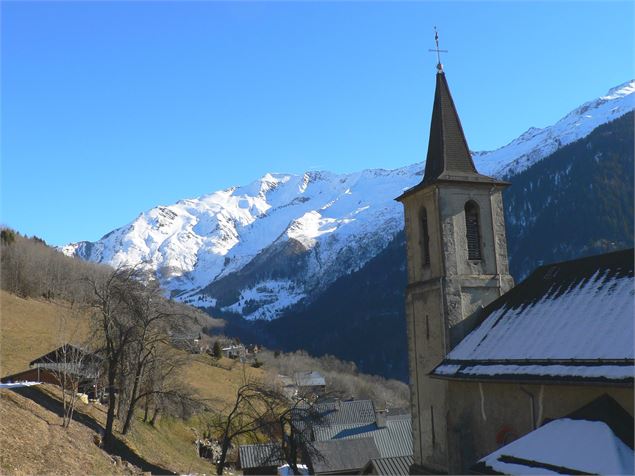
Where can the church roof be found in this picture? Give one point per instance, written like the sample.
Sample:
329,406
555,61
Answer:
570,321
447,148
596,439
449,158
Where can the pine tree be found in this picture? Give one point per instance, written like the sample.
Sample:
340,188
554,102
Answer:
217,352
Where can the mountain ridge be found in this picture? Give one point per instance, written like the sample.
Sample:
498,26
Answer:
259,249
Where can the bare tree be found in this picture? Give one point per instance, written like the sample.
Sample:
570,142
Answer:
293,427
250,413
30,268
135,323
155,319
262,410
158,383
115,328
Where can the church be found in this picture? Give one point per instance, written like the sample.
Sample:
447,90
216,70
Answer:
505,379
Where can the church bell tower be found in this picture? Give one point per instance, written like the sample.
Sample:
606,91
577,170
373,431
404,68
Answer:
457,264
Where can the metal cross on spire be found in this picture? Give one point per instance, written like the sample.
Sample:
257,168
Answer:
437,50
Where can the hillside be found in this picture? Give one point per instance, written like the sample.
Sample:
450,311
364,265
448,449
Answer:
30,329
33,442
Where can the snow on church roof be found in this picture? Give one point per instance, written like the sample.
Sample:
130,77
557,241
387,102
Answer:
567,321
564,446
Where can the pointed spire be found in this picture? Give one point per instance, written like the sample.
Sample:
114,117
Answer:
449,158
448,153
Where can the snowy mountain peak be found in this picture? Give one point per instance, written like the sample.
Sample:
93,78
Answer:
620,91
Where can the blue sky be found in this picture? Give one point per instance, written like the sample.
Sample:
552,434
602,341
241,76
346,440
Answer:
111,108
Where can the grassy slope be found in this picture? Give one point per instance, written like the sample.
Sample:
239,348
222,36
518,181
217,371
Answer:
33,442
29,328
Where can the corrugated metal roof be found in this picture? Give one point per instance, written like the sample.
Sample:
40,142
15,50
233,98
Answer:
347,412
343,455
66,353
398,465
395,439
257,456
567,320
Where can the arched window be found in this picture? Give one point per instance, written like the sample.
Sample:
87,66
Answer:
425,239
472,231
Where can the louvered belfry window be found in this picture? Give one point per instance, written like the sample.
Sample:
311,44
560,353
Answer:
472,231
425,239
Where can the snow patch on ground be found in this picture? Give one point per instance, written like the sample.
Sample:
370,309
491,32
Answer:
266,300
18,384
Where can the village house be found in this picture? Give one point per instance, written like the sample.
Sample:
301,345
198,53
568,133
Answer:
306,383
508,379
234,351
83,366
310,381
343,456
261,458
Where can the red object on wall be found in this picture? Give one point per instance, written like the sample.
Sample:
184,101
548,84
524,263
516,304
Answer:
505,435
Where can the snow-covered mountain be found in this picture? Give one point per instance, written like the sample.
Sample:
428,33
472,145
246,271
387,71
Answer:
535,144
258,249
284,235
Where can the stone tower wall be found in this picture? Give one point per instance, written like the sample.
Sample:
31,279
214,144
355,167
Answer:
444,297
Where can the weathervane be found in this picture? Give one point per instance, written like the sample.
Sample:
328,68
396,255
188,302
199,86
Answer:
438,51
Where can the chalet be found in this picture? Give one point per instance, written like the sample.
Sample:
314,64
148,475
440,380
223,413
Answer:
310,382
83,365
302,383
345,421
392,437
